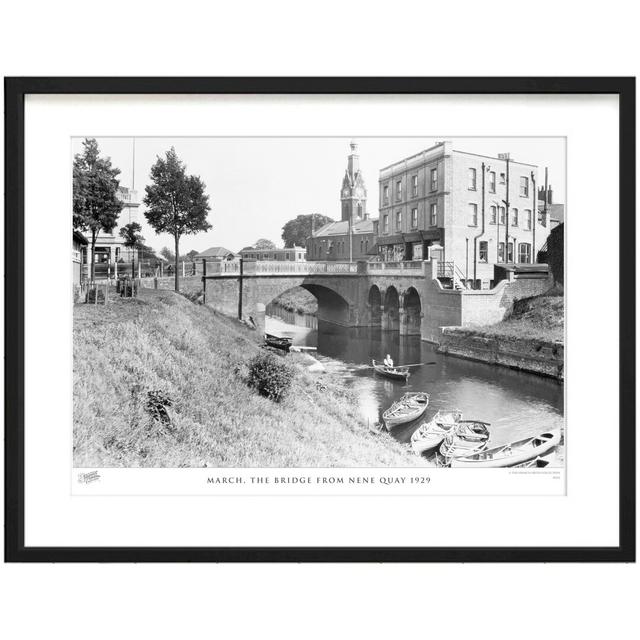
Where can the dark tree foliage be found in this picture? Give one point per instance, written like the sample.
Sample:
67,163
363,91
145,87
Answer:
96,206
133,240
166,253
263,243
176,202
296,231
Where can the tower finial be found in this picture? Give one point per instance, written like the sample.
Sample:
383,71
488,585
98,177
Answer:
354,146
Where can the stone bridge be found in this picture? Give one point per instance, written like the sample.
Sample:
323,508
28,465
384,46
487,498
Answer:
349,294
406,296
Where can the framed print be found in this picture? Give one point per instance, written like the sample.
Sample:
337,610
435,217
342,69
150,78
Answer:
320,319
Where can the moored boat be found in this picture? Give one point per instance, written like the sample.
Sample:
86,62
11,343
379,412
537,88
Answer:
431,434
468,437
395,373
277,342
409,408
512,453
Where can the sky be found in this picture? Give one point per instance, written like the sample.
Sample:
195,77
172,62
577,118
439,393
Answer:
255,185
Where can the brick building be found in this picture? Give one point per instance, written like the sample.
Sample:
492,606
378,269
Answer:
354,236
453,205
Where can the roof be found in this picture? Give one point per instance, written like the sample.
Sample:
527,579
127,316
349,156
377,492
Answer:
214,252
80,237
342,228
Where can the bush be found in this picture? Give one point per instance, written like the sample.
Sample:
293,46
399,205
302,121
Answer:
271,378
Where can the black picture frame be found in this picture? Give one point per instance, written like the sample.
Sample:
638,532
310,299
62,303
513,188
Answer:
15,91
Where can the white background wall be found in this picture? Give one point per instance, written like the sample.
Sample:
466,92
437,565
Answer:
298,601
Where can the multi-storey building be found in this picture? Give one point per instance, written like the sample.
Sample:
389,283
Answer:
353,237
110,246
453,205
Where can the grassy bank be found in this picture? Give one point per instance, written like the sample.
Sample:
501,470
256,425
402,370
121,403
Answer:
298,300
537,318
132,352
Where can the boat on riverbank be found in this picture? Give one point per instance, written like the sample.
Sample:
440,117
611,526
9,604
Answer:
277,342
511,453
430,434
468,437
395,373
409,408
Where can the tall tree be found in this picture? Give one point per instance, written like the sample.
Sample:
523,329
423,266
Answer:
167,254
134,241
96,206
263,243
176,202
296,231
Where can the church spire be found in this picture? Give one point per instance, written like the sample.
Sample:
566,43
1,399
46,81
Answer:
354,193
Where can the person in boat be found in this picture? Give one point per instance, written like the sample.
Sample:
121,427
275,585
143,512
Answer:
388,362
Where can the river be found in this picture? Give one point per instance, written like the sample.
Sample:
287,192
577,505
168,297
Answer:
517,404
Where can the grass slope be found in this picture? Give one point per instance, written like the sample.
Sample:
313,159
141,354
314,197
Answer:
161,341
298,300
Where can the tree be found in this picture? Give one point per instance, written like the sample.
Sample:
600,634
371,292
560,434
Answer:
176,202
133,240
296,231
96,206
263,243
167,254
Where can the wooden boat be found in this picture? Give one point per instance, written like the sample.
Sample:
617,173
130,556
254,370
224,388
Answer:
277,342
468,437
510,454
410,407
395,373
430,434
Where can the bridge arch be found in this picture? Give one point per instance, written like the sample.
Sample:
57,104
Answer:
374,304
332,307
391,311
411,316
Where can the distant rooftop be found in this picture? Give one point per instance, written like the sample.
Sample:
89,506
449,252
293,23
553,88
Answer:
215,252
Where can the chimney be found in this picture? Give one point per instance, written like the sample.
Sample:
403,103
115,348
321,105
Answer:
550,195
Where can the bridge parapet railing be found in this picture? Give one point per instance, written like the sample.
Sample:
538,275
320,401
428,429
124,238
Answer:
408,268
265,268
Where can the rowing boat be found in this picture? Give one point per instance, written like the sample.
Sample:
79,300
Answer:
395,373
431,434
409,408
468,437
512,453
277,342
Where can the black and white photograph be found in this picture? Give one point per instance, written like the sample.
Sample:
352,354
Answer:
318,302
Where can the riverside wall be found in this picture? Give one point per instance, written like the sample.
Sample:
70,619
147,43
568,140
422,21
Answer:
542,357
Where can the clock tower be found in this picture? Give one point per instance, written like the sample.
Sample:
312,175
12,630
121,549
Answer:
353,194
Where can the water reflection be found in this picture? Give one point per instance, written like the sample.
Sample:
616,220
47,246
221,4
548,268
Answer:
517,404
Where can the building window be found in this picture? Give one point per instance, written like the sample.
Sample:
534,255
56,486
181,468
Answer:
434,215
414,186
473,214
434,179
483,251
492,181
414,218
385,223
399,190
366,246
527,218
510,252
514,217
502,215
385,194
500,251
398,220
503,178
359,210
524,186
524,252
493,214
472,179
